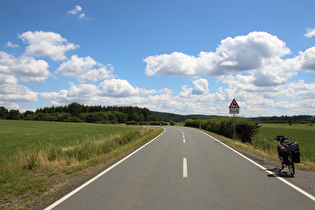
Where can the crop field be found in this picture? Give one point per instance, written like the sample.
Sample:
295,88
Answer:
303,134
18,135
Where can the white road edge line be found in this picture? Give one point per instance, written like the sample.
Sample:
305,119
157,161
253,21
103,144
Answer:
99,175
260,166
185,174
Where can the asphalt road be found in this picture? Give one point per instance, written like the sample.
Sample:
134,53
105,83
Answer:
186,169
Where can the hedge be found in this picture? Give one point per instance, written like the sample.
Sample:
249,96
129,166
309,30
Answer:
244,128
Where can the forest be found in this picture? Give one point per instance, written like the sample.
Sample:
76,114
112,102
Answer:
75,112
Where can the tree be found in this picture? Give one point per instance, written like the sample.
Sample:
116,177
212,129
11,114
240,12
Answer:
75,109
14,115
3,112
172,123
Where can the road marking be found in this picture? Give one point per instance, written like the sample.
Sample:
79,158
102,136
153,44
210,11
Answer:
184,141
185,173
260,166
99,175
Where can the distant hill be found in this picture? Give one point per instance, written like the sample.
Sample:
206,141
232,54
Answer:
181,118
296,119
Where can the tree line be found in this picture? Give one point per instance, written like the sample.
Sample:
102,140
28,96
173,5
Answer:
284,119
75,112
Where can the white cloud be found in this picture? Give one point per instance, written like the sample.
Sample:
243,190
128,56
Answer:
43,44
11,92
310,32
147,92
307,59
26,68
166,91
201,87
302,90
10,44
75,10
117,88
83,90
82,69
234,55
82,16
112,92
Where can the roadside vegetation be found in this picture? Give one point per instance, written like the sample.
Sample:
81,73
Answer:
303,134
37,158
245,129
257,137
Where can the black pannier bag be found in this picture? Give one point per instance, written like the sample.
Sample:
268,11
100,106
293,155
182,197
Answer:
293,147
283,154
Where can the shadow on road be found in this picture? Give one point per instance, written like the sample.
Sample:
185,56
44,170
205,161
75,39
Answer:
279,173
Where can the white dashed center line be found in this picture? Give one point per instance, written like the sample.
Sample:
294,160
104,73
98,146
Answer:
185,173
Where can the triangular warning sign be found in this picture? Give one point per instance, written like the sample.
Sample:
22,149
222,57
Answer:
234,104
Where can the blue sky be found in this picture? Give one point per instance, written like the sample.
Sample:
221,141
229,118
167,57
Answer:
184,57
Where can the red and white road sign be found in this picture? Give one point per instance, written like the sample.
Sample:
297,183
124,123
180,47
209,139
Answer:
234,107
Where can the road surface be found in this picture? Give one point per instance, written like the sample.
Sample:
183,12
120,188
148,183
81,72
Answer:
185,169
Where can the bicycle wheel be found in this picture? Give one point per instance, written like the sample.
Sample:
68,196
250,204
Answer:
291,168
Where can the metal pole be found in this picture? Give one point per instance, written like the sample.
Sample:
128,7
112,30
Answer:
234,126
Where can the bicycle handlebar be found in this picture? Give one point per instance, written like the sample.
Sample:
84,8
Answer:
281,138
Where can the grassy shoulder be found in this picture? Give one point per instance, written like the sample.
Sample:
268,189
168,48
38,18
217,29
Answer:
35,176
263,148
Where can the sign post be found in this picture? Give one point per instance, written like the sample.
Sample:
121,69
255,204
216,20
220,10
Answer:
234,109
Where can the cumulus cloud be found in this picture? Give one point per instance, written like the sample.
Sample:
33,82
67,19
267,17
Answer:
117,88
302,90
11,92
116,91
26,68
307,59
234,55
201,87
83,69
43,44
310,32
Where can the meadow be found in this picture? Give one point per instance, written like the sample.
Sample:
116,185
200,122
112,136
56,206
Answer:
18,135
304,134
40,156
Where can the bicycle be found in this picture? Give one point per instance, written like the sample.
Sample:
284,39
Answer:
288,152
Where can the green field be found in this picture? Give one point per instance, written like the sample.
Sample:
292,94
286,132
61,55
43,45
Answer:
303,134
17,135
39,156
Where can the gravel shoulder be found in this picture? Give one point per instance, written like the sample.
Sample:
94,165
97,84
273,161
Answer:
302,178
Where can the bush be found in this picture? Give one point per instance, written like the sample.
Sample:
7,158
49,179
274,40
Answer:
244,128
158,123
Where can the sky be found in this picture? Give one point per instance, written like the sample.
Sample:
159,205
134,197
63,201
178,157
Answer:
176,56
